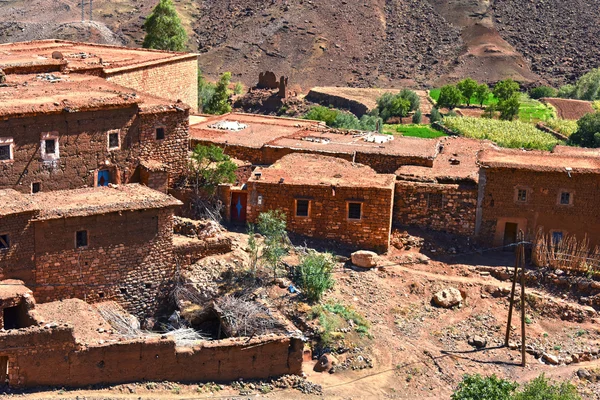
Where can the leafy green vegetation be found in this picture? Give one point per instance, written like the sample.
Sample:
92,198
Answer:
421,131
335,118
333,316
272,225
542,91
218,103
596,105
435,115
164,30
565,126
391,105
314,274
586,88
487,95
209,167
506,89
468,87
532,110
512,134
450,97
588,131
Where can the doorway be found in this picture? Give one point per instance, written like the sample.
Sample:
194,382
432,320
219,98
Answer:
510,234
103,177
239,200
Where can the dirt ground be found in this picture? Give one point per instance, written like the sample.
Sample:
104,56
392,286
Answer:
415,349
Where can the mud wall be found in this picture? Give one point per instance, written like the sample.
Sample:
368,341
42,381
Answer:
17,262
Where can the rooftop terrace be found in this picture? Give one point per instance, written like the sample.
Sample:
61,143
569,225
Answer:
311,169
13,202
539,161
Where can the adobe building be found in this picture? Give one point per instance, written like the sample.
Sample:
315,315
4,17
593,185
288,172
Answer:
164,74
97,243
529,190
65,131
323,197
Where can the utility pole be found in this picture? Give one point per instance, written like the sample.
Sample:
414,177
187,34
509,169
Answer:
519,262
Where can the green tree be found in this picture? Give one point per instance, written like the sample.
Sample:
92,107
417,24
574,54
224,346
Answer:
468,87
588,86
566,92
371,123
504,90
391,105
321,113
435,115
489,112
238,88
417,117
509,108
164,30
272,225
588,131
209,167
482,93
542,91
542,389
450,97
412,97
314,275
206,91
219,102
476,387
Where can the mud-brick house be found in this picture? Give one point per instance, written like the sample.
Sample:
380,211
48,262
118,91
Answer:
526,191
99,243
325,198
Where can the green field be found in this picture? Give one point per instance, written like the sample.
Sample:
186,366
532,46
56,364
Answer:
435,94
413,130
512,134
565,126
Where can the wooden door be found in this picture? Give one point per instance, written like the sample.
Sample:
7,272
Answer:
103,177
239,201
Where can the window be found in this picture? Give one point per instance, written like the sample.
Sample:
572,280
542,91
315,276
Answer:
160,133
522,195
565,198
557,237
435,200
302,207
4,242
6,149
81,239
49,146
113,140
36,187
354,210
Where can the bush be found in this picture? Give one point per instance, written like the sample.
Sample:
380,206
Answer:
397,105
417,117
321,113
450,97
482,93
238,88
565,126
344,120
588,86
315,274
468,87
506,89
596,105
435,115
566,91
206,91
542,389
219,102
542,91
476,387
272,225
588,131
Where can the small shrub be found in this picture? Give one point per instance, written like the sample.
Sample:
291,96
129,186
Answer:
477,387
435,116
596,105
566,91
588,131
315,274
542,91
219,102
238,88
542,389
417,117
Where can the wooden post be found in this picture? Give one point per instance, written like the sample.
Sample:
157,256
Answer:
522,258
512,293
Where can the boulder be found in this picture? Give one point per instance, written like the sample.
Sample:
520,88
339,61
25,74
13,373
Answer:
325,363
448,298
477,341
364,259
550,359
584,374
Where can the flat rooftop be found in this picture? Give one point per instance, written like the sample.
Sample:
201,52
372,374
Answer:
316,170
248,130
456,162
100,200
13,289
82,56
56,92
13,202
540,161
348,142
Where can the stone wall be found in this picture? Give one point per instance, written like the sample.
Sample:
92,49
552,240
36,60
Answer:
129,258
499,204
83,147
50,357
389,163
328,218
173,80
442,207
18,261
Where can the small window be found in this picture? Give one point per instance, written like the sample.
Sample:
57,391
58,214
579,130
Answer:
565,198
435,200
36,187
113,140
81,239
5,153
557,237
50,146
4,242
160,133
354,210
302,208
521,195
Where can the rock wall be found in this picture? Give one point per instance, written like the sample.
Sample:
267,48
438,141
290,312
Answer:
18,262
449,208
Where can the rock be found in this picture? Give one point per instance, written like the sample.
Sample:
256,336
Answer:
584,374
325,363
550,359
2,76
448,298
364,259
477,341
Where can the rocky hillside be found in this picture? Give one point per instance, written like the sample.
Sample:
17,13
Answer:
345,42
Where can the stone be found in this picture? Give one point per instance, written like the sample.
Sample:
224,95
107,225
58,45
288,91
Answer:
550,359
478,341
364,259
584,374
2,76
325,363
448,298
